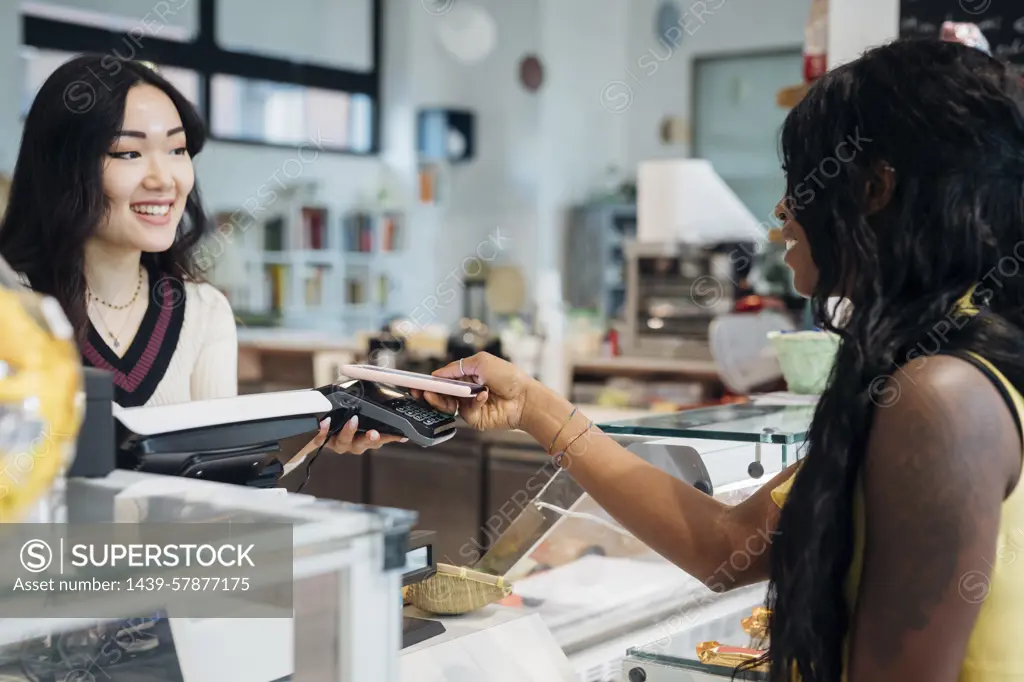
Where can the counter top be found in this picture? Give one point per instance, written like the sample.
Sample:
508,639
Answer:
625,364
487,644
278,338
460,626
284,339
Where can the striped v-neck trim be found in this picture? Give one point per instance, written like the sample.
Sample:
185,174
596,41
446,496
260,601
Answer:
137,374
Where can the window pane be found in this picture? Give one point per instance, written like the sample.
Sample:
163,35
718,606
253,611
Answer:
329,113
734,131
280,113
334,33
167,19
362,123
188,82
37,65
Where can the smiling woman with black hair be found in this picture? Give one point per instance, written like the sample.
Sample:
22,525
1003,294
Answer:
105,216
897,543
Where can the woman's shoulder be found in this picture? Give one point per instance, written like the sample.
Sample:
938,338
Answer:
205,292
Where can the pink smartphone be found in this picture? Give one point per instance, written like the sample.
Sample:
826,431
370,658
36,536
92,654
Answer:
423,382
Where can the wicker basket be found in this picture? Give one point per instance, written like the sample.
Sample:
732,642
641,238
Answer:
455,590
806,358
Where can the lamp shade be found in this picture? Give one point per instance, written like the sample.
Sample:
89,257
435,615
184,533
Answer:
686,201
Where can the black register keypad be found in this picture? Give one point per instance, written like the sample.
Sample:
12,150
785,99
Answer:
414,410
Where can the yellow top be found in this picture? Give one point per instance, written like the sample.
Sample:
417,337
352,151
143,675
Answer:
995,652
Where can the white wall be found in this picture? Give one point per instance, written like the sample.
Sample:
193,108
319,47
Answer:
498,189
658,73
583,42
340,35
856,25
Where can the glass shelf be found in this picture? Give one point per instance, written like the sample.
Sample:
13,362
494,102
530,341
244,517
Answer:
679,651
743,422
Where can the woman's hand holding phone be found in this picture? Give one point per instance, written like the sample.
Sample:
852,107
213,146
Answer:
502,406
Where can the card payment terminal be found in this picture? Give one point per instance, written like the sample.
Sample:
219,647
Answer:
388,410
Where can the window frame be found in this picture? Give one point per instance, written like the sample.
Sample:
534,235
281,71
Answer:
205,57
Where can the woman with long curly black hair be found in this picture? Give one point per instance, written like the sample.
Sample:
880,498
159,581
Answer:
893,552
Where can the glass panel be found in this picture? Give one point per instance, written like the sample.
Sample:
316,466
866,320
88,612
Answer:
37,65
778,424
588,578
166,19
333,33
281,113
331,114
531,526
362,123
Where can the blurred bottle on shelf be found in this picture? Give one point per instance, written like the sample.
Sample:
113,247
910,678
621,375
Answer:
816,42
610,347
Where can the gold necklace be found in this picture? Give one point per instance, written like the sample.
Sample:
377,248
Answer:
138,288
116,342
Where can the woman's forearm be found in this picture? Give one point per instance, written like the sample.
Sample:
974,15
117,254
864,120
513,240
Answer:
688,527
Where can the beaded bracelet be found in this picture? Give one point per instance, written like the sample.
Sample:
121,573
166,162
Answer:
561,455
555,439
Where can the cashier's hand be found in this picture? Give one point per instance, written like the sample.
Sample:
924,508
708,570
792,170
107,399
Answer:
347,440
501,406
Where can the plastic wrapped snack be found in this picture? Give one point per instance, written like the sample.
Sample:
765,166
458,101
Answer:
756,625
41,400
713,653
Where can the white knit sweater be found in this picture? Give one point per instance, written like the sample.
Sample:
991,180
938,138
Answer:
205,362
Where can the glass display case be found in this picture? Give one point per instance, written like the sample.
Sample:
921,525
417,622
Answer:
675,658
343,569
763,421
599,589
